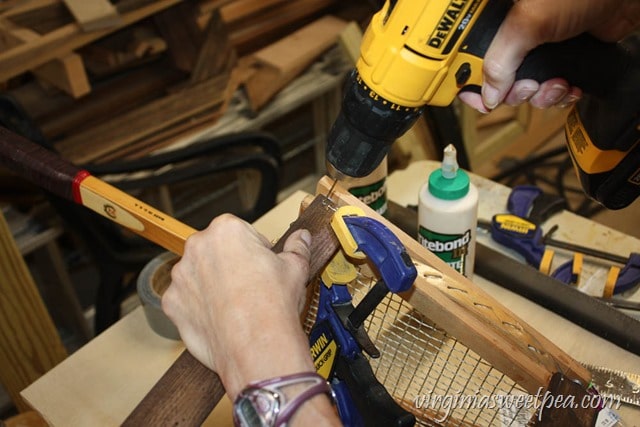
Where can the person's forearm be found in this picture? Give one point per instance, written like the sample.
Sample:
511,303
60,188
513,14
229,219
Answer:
260,357
249,365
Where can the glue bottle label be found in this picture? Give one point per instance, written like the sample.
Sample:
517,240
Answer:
451,248
373,195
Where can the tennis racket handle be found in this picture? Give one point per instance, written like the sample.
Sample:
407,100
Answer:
188,391
35,163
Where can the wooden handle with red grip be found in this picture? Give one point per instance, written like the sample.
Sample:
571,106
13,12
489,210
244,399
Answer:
188,391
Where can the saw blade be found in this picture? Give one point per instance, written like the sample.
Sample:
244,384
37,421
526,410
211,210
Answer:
616,384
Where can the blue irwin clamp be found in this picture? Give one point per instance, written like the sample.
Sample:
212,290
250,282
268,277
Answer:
338,337
520,230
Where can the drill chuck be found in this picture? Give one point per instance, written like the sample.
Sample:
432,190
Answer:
365,128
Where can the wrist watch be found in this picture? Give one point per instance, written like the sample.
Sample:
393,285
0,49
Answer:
264,404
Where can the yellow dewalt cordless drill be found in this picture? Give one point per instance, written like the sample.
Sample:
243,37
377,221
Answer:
424,52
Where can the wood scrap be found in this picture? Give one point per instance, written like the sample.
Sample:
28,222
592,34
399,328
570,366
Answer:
255,33
41,16
69,37
240,9
230,10
253,24
216,55
124,92
278,64
166,137
16,7
198,53
117,132
177,25
94,14
191,125
66,73
123,50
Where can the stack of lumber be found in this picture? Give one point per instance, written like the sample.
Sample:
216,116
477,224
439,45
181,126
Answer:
110,80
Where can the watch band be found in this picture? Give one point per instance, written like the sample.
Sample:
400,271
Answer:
263,403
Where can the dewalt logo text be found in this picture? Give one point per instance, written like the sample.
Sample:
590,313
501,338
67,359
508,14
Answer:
447,22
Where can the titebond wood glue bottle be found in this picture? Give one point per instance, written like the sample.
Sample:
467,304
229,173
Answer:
448,214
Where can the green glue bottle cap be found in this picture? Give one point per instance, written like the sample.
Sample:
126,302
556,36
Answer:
449,182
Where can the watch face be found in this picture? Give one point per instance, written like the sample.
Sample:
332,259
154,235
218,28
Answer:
257,408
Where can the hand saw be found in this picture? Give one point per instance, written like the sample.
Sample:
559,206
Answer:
188,384
616,384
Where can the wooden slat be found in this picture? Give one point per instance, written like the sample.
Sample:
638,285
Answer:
117,132
29,342
176,131
249,35
178,27
17,7
66,73
240,9
120,94
67,38
216,55
94,14
165,137
278,64
472,316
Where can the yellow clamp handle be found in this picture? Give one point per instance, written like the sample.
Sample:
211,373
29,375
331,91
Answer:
340,270
610,284
345,238
545,263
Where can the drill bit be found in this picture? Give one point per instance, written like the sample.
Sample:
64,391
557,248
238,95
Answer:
333,186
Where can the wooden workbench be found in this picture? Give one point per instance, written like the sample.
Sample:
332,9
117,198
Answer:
100,384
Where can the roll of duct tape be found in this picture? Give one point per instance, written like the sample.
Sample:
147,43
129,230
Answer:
153,280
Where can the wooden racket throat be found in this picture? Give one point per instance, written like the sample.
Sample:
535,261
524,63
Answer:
475,318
